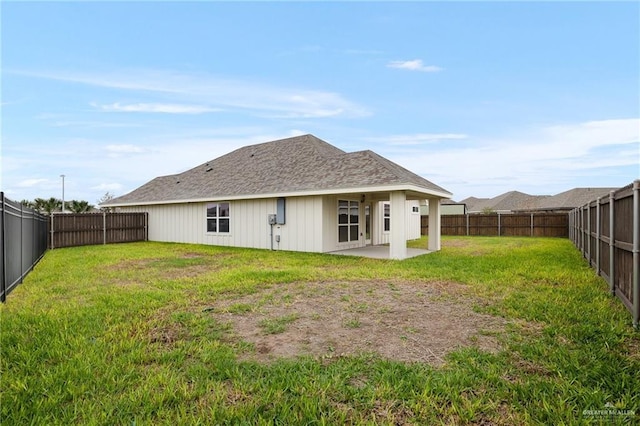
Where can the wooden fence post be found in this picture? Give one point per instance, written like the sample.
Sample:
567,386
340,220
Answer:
612,244
21,241
499,233
588,245
104,227
571,226
3,252
636,254
581,230
51,232
467,224
575,227
532,224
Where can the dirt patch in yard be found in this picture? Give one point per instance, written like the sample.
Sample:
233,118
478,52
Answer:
188,265
403,321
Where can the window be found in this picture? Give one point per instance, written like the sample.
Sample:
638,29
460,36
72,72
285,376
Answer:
348,221
218,217
387,217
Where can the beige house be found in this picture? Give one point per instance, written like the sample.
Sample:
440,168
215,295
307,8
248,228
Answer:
299,194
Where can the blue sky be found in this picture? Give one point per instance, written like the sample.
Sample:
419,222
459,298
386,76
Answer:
480,98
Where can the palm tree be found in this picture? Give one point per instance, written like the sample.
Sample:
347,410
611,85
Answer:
47,206
79,206
27,203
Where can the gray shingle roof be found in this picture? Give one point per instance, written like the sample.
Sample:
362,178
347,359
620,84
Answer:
509,201
519,201
301,163
472,201
573,198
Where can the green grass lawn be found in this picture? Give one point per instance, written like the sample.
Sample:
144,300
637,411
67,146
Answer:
120,334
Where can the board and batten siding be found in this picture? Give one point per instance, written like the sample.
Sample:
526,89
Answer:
311,224
303,228
174,222
249,227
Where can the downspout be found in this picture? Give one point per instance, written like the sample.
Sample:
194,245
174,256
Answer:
271,235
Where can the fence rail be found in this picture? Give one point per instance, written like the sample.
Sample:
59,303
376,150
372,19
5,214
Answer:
70,229
607,232
23,242
530,224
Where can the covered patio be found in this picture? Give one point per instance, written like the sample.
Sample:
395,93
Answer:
393,244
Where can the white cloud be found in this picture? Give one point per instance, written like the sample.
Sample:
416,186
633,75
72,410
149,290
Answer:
29,183
93,124
418,138
108,187
119,150
198,88
125,148
414,65
155,108
543,160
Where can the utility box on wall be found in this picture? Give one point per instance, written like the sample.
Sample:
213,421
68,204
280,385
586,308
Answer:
280,211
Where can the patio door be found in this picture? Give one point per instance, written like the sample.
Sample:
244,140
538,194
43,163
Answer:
367,224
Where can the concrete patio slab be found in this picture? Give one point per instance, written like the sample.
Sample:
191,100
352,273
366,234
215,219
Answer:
378,252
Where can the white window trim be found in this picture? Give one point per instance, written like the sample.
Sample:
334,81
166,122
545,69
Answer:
388,231
207,217
348,224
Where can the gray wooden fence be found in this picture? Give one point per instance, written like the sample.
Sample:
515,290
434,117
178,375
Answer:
607,232
23,242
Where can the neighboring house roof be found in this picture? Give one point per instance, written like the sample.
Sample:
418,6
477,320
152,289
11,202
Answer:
293,165
519,201
509,201
472,201
573,198
449,201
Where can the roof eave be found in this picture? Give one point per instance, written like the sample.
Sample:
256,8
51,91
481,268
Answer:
415,189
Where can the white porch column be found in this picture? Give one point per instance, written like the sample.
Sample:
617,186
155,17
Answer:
398,231
434,224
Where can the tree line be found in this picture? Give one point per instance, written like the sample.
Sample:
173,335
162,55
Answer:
53,205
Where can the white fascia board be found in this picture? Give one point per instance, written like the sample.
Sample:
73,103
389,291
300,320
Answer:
428,193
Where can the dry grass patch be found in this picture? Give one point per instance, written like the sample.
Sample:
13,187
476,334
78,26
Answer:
403,321
141,271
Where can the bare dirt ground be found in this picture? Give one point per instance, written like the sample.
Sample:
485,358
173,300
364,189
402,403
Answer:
403,321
